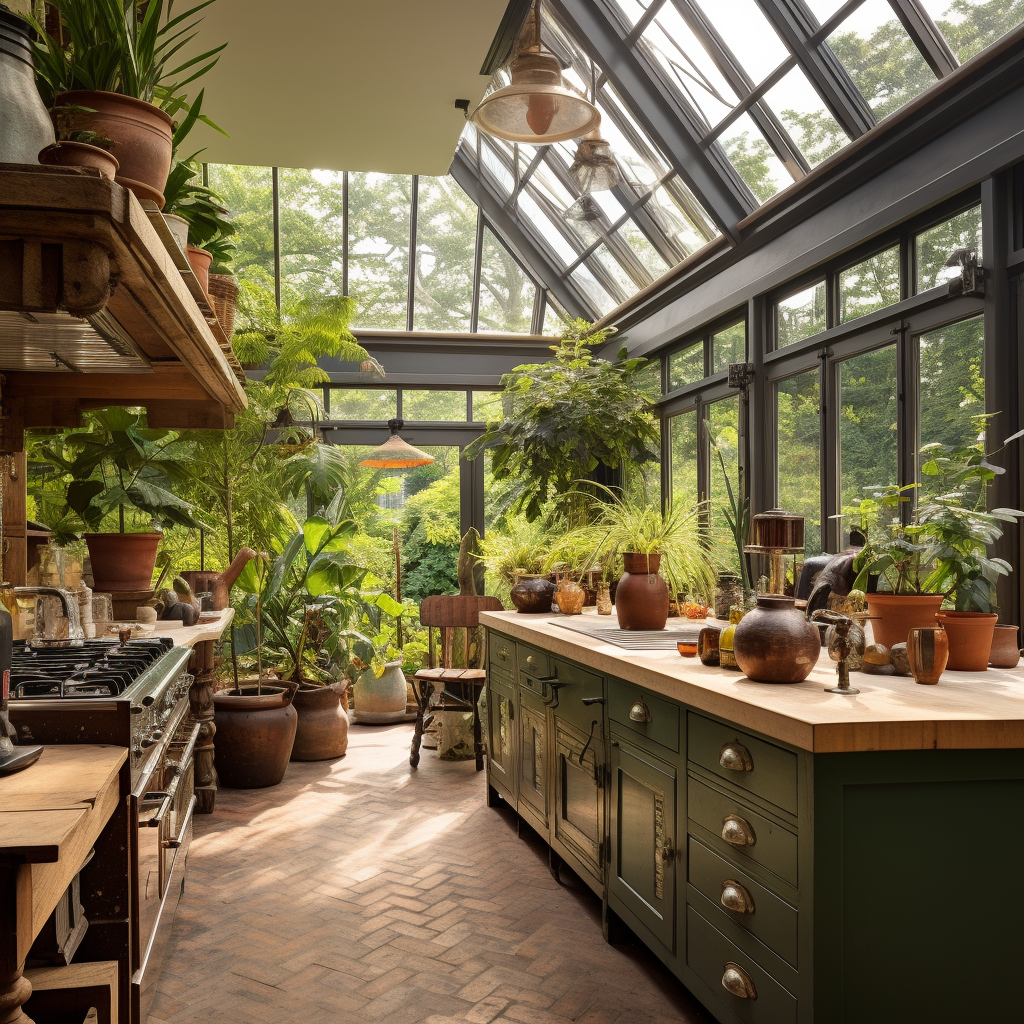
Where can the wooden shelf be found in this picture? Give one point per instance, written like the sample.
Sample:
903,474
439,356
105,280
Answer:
99,306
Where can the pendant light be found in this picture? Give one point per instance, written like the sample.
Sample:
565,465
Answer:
395,453
594,168
585,210
536,107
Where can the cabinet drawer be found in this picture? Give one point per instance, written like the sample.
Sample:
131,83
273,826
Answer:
743,760
766,917
536,663
766,843
501,654
709,955
577,685
659,718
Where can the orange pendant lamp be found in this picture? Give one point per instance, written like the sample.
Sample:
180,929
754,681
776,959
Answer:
536,108
395,453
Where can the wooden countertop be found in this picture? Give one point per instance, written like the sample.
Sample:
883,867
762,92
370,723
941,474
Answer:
189,636
965,710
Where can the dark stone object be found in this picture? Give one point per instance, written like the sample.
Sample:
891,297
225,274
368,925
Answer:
775,643
532,594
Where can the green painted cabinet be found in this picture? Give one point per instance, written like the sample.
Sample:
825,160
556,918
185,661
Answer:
501,737
534,780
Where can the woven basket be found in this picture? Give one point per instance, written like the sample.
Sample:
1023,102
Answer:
224,297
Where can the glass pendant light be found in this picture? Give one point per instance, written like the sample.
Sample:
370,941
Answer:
536,107
594,168
395,453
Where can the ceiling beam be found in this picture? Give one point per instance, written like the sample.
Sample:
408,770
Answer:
925,33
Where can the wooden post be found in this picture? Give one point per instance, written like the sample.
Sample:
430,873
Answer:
200,698
15,925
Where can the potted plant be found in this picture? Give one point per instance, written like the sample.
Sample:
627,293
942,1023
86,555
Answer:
119,465
78,147
117,59
959,529
382,663
651,543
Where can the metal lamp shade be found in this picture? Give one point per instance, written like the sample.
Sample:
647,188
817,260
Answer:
395,453
594,168
776,530
536,108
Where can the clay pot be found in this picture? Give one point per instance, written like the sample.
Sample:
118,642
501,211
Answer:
25,127
532,594
382,700
570,596
641,600
774,643
927,652
223,291
895,615
322,732
122,561
255,733
140,132
1005,651
200,260
970,639
79,154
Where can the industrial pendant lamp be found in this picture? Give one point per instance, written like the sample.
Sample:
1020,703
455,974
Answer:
594,168
537,107
395,453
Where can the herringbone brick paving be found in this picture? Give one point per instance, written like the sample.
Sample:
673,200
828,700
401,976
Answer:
363,891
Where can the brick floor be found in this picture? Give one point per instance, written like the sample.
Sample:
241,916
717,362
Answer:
362,891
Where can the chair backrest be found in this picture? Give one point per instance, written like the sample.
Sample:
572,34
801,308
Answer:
449,612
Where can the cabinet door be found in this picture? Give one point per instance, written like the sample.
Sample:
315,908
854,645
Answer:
578,817
501,746
643,838
532,755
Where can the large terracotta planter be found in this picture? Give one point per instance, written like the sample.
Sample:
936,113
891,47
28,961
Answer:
141,136
774,642
382,700
200,261
1005,651
122,561
322,732
79,154
895,615
255,733
970,639
641,599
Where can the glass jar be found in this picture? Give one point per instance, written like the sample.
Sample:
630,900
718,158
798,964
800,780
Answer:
728,592
570,596
604,598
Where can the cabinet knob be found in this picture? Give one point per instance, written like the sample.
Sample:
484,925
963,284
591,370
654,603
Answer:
640,712
531,660
668,852
737,830
738,982
736,758
503,650
736,897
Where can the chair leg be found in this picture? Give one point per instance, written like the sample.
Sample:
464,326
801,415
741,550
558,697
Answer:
423,694
478,746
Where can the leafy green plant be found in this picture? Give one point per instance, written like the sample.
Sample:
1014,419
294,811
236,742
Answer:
119,464
209,223
522,546
564,418
737,514
123,46
892,551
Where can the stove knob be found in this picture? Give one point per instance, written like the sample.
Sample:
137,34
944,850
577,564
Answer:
136,751
157,733
148,742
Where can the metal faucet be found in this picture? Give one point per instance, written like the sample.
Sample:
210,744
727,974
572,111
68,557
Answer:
67,600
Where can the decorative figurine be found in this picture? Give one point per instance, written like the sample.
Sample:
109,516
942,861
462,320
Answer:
846,643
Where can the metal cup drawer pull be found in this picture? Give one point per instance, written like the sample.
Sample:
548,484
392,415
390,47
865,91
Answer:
503,651
640,712
738,982
735,757
738,831
736,897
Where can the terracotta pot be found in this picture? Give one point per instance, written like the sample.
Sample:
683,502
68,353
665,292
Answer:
774,642
1005,651
323,725
532,594
199,260
927,652
895,615
140,132
381,700
255,733
570,596
122,561
223,291
79,154
641,599
970,639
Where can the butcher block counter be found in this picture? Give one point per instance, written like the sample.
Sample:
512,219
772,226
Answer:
793,856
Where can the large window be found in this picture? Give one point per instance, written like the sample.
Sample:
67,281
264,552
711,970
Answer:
798,465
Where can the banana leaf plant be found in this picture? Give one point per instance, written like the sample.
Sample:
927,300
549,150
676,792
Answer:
119,464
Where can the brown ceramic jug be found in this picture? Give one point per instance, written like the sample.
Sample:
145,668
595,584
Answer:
641,599
774,643
1005,651
927,651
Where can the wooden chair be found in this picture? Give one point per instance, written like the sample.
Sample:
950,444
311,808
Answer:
449,613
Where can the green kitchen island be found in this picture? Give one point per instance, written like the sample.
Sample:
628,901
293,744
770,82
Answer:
790,854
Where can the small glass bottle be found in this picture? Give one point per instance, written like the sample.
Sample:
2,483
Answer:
728,592
604,598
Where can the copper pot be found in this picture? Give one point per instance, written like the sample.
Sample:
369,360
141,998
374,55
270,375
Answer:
641,599
255,733
927,652
774,643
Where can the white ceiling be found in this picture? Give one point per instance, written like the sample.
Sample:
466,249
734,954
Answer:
343,85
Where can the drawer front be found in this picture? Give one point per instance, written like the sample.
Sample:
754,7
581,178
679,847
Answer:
653,717
575,686
743,760
501,654
760,911
533,661
758,839
714,959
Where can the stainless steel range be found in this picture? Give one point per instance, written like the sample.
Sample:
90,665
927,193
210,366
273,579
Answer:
132,694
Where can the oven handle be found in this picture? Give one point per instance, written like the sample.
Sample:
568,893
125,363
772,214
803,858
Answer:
173,844
190,744
158,819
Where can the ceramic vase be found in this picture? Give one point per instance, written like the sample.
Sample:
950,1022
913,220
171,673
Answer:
255,733
775,643
641,600
970,639
1005,651
323,725
532,594
381,699
927,652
